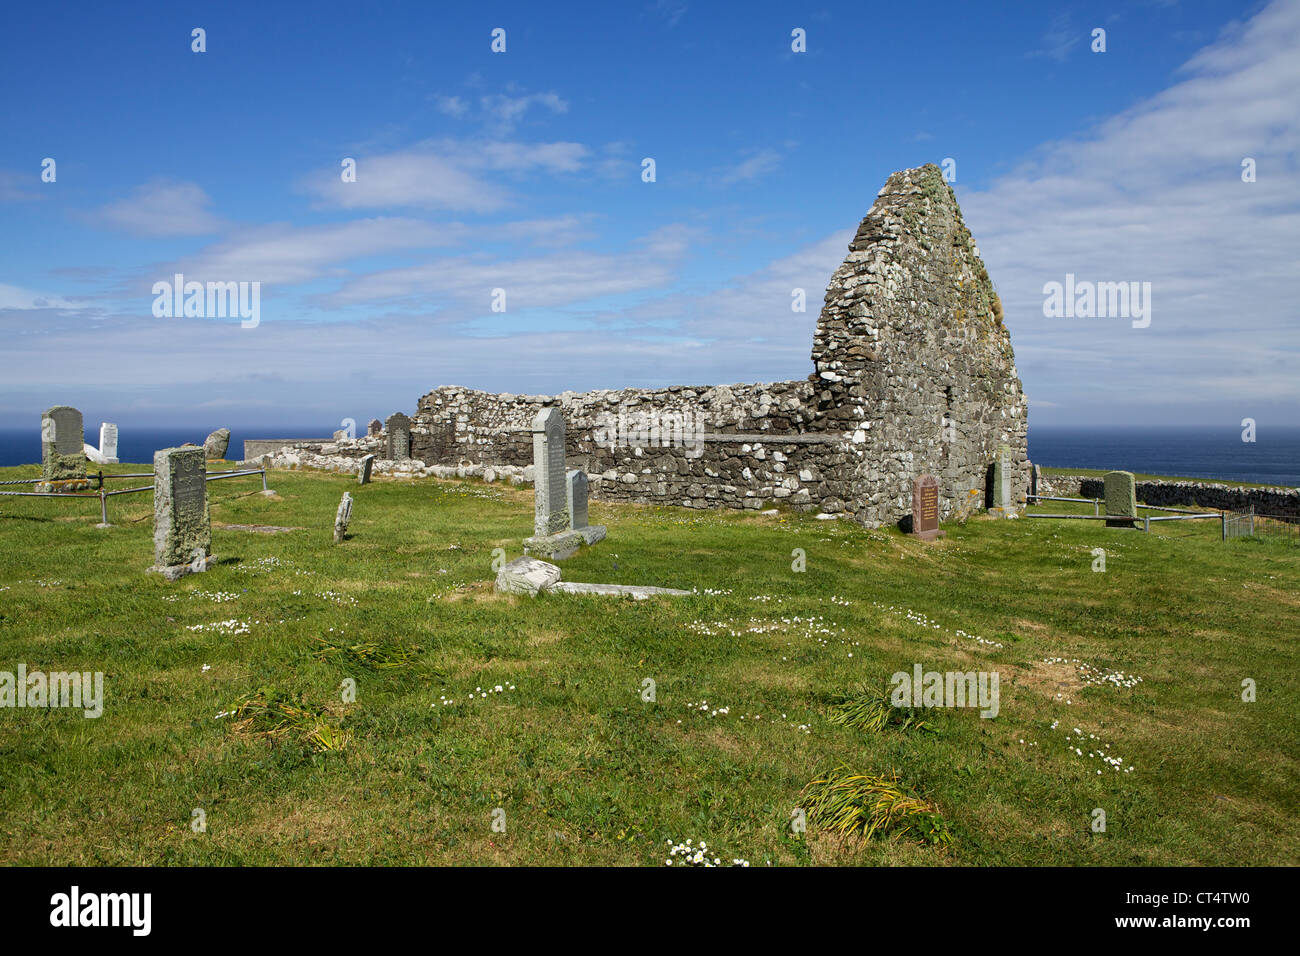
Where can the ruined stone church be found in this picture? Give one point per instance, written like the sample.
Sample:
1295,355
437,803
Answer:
913,373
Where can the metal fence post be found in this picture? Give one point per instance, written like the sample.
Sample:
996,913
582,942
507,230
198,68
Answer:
263,480
103,504
1096,507
1223,517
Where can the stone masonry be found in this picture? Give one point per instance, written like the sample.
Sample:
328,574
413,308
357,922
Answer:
913,373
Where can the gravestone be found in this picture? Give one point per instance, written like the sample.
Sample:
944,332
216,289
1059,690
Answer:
575,494
1035,479
1002,479
399,437
215,445
925,508
108,442
182,527
375,427
342,517
1120,492
363,472
63,443
551,535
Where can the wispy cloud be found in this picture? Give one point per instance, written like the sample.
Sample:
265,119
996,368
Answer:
442,174
160,208
1155,194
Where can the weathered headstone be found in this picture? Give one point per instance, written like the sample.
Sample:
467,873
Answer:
215,445
1120,492
375,427
526,576
575,493
551,534
1035,479
925,508
182,527
63,443
1002,479
108,442
398,427
363,472
342,517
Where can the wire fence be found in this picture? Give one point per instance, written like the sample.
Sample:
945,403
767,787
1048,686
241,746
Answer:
1251,524
103,494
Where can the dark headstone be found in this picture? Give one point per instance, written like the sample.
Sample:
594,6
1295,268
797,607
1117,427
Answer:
375,427
398,427
925,508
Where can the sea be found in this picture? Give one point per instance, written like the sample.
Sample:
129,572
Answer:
1192,452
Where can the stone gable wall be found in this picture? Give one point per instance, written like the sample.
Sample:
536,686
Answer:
913,372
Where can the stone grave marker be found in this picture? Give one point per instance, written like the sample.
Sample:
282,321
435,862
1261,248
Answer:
63,444
216,444
375,427
399,437
575,493
1120,492
925,508
1002,479
342,517
108,442
182,527
363,472
551,535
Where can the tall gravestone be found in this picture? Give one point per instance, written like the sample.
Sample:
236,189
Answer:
551,534
399,437
108,442
182,527
925,508
1120,491
364,469
575,496
63,443
1000,482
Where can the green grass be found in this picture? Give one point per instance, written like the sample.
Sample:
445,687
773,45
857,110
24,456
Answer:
585,769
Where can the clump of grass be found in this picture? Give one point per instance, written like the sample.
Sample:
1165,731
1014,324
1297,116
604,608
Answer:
374,655
871,709
276,714
847,803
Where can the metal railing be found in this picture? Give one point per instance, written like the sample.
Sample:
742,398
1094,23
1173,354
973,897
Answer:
103,495
1175,514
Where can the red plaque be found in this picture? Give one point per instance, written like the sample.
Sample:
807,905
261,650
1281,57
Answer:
925,508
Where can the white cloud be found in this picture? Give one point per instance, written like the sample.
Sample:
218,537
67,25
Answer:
1155,195
285,255
758,164
160,209
442,174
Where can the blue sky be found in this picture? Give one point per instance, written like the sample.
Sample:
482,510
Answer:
522,170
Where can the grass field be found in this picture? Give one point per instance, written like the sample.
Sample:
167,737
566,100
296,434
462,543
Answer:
583,770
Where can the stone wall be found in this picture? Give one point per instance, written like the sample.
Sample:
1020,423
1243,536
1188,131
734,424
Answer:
1173,494
913,372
